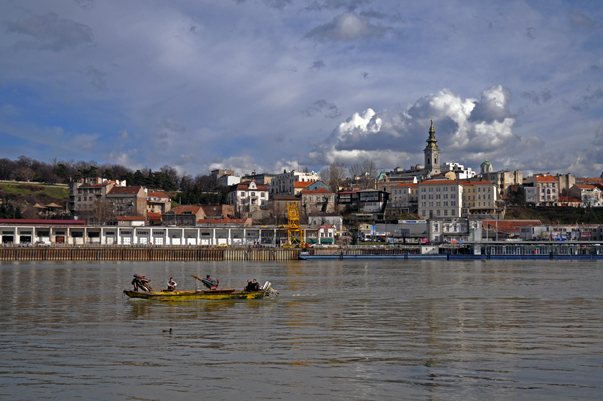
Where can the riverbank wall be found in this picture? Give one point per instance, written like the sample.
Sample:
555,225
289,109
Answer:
90,253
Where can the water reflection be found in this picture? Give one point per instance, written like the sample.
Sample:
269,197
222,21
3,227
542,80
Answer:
339,330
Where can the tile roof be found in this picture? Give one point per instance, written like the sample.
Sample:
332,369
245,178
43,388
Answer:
124,191
584,186
407,184
439,182
244,186
157,195
221,221
299,184
544,178
592,180
509,225
131,218
93,185
154,216
180,210
569,199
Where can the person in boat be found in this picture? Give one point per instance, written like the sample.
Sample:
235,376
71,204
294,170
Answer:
209,283
255,286
248,286
171,284
141,282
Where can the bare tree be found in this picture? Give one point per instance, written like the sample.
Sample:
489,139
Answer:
334,174
24,174
365,173
102,212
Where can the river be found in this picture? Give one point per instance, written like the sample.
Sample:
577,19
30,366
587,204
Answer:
339,330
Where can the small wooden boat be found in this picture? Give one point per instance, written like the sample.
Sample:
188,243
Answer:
142,289
192,295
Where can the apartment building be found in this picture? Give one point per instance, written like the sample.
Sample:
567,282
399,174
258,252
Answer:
284,184
440,198
547,189
128,201
479,197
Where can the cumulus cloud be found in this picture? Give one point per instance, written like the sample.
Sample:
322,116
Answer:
239,164
463,127
51,32
346,28
124,157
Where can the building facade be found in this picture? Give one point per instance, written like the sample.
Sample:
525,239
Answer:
546,189
284,184
439,198
248,197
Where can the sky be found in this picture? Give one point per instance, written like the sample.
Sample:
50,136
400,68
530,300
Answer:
268,85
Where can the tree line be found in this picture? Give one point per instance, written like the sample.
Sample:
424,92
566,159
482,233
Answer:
65,171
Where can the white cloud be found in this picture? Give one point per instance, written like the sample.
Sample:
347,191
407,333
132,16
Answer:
463,127
347,27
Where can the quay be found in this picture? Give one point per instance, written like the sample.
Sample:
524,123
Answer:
486,251
159,253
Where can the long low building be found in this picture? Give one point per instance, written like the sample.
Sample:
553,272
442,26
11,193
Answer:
70,233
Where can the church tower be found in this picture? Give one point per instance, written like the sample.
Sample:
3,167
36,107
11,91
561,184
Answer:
486,167
432,153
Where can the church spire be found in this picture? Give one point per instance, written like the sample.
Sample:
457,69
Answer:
432,142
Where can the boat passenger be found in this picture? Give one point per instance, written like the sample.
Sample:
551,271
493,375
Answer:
209,283
171,284
255,286
248,287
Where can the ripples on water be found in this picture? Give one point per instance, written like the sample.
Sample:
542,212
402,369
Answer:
340,330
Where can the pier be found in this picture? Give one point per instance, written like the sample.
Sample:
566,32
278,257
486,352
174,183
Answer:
172,253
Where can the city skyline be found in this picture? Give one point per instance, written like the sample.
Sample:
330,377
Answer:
278,84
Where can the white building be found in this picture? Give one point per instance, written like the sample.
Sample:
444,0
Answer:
590,195
440,198
547,189
459,170
247,197
284,184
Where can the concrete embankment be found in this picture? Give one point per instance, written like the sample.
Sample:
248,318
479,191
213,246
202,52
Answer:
145,253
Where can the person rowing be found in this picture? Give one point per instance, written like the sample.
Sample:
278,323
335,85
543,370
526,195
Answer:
171,284
209,283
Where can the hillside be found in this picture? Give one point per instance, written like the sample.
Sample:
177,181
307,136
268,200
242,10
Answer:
26,195
556,215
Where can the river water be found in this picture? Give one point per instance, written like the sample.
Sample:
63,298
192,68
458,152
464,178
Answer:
339,330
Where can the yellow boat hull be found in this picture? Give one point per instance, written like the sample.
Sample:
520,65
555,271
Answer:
192,295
